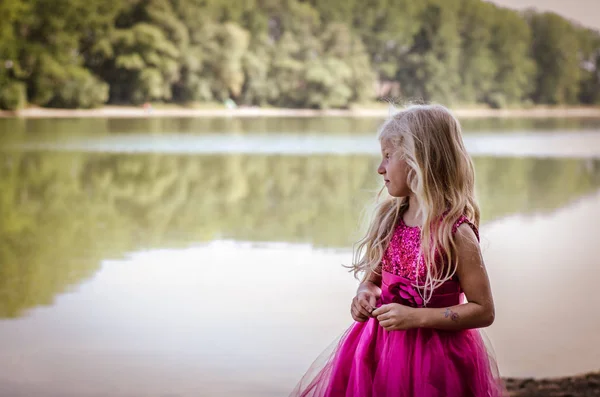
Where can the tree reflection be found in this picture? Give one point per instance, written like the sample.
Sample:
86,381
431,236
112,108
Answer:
62,213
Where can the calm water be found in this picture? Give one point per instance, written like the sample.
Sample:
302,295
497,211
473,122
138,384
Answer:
202,257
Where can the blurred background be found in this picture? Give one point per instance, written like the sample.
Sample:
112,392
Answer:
202,255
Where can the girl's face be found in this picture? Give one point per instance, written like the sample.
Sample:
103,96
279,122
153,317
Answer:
394,170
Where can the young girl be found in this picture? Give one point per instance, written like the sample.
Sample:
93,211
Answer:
414,333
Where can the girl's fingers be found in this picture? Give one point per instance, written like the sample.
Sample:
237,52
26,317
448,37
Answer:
362,309
386,324
365,306
364,312
382,317
356,315
373,301
381,310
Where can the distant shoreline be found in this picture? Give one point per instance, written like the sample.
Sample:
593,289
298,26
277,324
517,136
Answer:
141,112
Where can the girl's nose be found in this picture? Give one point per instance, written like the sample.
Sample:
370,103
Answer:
381,169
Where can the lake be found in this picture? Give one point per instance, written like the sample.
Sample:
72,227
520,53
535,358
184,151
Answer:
203,256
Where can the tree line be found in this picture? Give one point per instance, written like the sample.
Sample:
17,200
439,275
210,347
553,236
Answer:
291,53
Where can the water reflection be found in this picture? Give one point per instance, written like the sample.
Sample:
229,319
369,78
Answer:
65,212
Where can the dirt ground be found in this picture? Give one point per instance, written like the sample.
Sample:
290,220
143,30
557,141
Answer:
576,386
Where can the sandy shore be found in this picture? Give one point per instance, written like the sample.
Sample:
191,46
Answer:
575,386
132,111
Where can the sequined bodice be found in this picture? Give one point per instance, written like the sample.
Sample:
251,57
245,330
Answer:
403,252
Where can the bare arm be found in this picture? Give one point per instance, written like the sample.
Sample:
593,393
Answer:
372,278
479,311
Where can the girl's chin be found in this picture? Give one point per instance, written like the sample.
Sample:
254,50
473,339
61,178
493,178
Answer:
392,193
395,193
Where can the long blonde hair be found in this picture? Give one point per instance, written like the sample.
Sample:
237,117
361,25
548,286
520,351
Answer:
441,177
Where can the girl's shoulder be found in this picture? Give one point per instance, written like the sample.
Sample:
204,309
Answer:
463,219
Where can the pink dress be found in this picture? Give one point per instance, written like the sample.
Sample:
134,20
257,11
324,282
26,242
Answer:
422,362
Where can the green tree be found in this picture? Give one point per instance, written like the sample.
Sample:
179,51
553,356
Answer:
199,19
510,47
342,73
589,45
141,57
224,54
216,62
286,72
12,91
476,65
54,37
257,64
555,49
430,70
386,27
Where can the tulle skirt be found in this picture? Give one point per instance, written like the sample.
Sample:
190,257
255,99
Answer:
370,361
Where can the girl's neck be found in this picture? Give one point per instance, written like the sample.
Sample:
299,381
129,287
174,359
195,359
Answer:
411,216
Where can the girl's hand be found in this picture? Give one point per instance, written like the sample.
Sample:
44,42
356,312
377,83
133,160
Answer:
365,301
395,316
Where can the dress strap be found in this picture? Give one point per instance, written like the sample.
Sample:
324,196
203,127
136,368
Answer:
464,219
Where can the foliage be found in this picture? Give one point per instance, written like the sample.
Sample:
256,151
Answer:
555,49
292,53
13,96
